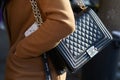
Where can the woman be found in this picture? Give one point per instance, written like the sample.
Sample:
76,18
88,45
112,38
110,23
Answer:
24,59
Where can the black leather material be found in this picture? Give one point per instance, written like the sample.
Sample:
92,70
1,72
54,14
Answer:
88,39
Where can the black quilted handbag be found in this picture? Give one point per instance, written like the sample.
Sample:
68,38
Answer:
89,38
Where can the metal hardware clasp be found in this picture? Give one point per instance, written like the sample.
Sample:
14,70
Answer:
92,51
81,4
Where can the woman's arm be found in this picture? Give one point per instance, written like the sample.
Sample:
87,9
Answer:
59,23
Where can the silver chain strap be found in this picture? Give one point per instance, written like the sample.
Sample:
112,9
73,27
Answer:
39,21
36,12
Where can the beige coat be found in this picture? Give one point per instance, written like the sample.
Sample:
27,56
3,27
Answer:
24,62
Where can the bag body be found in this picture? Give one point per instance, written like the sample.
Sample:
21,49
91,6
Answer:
89,38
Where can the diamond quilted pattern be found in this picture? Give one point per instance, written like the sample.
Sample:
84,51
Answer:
86,34
88,39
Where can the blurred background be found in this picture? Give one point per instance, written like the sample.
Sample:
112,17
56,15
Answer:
4,44
105,65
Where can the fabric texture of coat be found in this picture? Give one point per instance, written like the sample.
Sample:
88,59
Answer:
24,61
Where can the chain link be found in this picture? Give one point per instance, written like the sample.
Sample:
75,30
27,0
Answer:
81,4
36,12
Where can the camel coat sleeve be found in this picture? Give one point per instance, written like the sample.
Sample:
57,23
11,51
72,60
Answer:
58,23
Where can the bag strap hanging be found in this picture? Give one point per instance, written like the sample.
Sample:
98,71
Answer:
39,21
46,67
